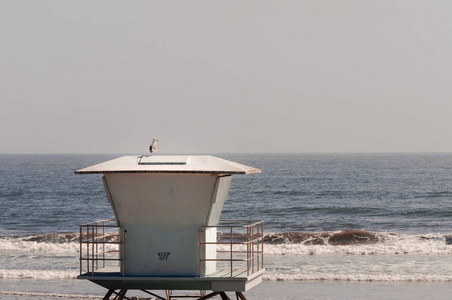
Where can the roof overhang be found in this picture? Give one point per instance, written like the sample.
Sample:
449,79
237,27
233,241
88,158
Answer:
169,164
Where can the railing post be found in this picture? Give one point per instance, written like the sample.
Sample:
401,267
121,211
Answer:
92,249
81,251
123,249
252,249
103,244
97,247
87,248
200,251
257,246
248,267
262,239
231,250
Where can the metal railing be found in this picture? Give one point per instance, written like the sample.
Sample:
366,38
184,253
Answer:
240,245
101,245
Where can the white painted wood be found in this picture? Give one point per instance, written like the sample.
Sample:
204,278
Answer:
162,214
160,199
220,196
195,164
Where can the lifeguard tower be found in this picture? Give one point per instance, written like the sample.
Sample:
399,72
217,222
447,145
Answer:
167,234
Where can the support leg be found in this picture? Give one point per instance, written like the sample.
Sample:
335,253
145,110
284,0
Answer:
240,295
121,294
209,296
156,296
224,296
108,294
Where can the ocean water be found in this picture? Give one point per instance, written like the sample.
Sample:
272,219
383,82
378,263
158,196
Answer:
383,218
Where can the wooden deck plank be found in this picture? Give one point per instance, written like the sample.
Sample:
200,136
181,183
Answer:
239,283
221,273
225,273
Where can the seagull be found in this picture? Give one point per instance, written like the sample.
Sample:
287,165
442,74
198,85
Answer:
153,148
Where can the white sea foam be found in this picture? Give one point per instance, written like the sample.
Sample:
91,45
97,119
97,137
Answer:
50,295
392,244
38,274
432,244
19,244
357,277
395,257
58,245
389,244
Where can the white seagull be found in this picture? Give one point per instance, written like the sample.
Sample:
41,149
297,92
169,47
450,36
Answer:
153,148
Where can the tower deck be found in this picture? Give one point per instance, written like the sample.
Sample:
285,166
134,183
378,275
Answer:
221,280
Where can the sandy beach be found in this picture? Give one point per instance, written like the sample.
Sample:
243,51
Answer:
268,290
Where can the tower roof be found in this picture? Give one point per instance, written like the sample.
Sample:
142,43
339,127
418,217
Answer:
168,164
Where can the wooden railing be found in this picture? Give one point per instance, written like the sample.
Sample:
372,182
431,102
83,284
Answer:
101,246
239,246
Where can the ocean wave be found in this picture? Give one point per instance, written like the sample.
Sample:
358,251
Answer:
57,238
61,237
360,242
348,237
291,249
62,243
21,244
357,277
366,243
38,274
50,295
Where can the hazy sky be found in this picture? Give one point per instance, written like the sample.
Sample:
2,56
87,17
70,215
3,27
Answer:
225,76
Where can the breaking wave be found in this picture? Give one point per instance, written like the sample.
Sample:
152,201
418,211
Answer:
268,276
50,295
360,242
24,244
38,274
379,256
356,242
348,237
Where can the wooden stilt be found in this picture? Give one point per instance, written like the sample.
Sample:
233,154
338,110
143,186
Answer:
224,296
108,294
121,294
202,293
209,296
156,296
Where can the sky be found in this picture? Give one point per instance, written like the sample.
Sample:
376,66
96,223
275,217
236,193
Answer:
225,76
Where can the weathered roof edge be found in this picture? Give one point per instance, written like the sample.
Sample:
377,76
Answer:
131,164
170,171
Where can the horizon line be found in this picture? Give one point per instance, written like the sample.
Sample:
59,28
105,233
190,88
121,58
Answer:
214,153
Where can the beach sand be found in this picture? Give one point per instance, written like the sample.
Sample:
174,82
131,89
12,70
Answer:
269,290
